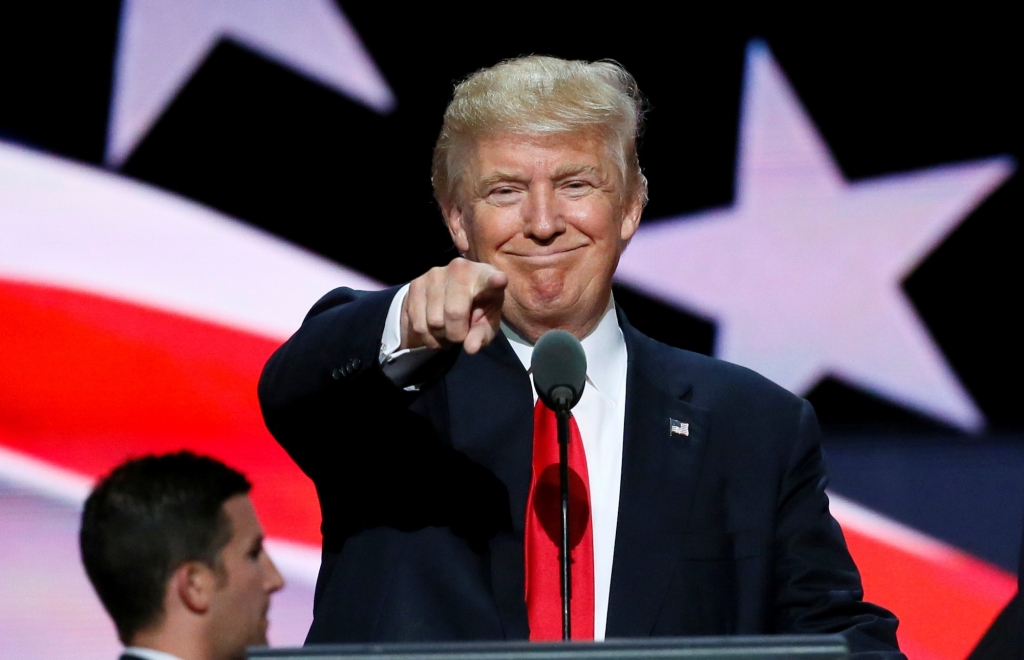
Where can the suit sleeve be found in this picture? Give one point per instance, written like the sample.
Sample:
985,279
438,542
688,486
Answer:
818,587
326,380
375,452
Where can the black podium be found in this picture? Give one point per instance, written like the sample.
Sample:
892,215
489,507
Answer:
772,647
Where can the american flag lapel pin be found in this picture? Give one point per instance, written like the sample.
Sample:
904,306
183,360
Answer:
675,427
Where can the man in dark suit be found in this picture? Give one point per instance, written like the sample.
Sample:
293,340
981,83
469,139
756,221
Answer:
698,486
174,550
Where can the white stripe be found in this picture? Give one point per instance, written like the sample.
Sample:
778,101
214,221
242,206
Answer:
45,478
872,524
296,561
69,225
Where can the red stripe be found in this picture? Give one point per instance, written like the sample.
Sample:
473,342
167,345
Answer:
945,602
88,381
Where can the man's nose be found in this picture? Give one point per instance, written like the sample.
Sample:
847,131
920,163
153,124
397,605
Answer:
274,581
542,218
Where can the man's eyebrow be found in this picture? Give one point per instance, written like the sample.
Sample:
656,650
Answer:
498,177
573,169
562,172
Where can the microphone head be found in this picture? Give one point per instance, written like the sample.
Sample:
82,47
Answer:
559,368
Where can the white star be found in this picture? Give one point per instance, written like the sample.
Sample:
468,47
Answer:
803,273
161,44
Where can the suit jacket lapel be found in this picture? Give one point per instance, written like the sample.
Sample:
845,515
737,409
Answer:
491,413
659,479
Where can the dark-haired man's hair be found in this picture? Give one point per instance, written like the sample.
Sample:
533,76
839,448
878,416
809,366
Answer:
144,520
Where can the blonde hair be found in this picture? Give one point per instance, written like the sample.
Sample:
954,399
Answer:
541,96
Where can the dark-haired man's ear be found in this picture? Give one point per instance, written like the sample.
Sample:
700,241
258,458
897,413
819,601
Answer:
195,584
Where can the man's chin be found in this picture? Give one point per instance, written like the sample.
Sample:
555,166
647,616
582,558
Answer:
542,291
260,638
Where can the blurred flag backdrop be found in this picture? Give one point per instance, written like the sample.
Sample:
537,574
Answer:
834,206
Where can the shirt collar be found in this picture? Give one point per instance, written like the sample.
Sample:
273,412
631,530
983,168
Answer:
148,654
605,348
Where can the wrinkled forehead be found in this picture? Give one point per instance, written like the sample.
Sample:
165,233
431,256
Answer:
556,152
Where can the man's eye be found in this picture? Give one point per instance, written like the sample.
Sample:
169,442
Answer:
503,195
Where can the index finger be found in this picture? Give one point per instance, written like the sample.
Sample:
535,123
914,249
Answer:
489,281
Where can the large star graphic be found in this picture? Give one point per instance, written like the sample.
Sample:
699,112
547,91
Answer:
803,274
161,44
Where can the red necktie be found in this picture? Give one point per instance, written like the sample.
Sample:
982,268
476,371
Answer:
544,534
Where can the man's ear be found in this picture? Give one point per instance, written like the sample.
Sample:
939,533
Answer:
631,219
194,583
455,219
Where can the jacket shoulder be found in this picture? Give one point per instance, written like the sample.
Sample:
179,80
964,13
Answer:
712,382
344,295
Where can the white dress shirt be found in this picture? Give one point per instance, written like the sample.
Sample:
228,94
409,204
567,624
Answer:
148,654
600,415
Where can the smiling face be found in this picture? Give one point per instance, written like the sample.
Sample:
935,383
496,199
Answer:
550,213
238,609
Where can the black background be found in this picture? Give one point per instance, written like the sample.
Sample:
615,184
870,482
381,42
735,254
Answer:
889,93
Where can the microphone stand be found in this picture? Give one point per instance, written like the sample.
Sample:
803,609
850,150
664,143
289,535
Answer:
559,366
562,415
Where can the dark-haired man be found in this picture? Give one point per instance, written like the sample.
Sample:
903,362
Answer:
175,552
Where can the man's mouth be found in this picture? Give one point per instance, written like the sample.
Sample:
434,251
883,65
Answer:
548,255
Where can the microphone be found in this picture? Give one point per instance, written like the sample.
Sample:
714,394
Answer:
559,368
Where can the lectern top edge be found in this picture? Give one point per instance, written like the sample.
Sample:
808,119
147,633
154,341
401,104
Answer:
773,647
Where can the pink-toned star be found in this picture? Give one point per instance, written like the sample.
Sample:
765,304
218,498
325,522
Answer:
803,273
161,44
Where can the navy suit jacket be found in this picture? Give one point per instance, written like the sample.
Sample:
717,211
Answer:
423,495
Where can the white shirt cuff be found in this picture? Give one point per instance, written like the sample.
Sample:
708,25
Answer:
391,339
399,365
